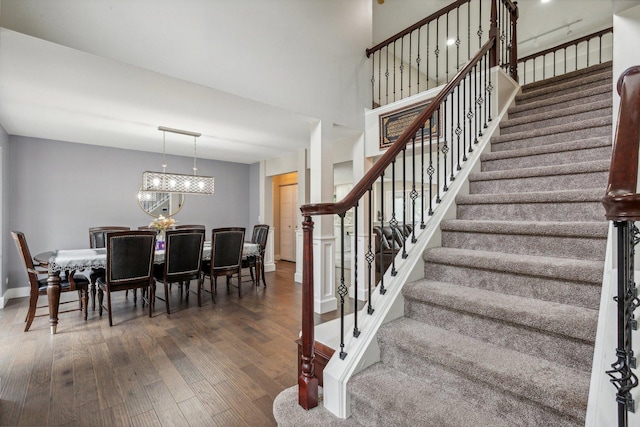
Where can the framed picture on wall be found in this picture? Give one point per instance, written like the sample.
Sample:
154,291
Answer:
394,123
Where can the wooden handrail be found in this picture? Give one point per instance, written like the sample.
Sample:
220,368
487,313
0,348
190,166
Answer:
567,44
378,168
622,201
417,25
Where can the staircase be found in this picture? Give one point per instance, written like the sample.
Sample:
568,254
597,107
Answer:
500,332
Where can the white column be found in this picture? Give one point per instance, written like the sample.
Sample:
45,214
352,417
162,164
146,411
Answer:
321,190
266,215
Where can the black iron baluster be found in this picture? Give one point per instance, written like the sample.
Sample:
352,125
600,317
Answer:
422,224
414,194
445,147
418,64
342,289
386,74
458,128
404,201
370,256
437,114
354,265
393,222
373,81
468,30
447,49
464,121
394,71
458,38
479,24
427,73
483,88
410,39
565,59
544,67
451,178
489,90
401,67
622,377
436,52
588,45
470,113
430,169
382,288
476,105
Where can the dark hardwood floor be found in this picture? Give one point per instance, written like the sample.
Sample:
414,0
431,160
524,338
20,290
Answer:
220,364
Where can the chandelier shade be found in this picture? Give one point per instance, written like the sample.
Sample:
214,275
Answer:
177,183
174,182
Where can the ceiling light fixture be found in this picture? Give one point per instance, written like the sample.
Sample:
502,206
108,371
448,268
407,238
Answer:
164,182
451,42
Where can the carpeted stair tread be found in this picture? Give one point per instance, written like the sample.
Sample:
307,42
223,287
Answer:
550,317
548,118
566,169
603,91
538,228
568,269
554,130
561,87
568,196
549,154
404,400
592,70
512,372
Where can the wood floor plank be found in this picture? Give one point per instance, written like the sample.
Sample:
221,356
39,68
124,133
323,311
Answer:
209,397
109,392
244,406
165,407
166,369
136,400
195,412
147,419
229,418
63,405
36,401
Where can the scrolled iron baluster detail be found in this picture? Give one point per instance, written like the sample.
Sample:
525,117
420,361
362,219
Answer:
354,265
369,256
393,222
627,301
342,289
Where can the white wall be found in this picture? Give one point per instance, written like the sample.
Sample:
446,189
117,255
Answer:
626,26
4,143
57,190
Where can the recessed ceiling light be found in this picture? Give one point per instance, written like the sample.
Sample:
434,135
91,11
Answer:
451,42
545,1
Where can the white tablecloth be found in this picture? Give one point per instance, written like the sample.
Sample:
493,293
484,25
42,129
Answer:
81,259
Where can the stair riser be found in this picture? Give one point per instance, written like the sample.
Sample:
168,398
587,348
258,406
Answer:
548,159
541,183
548,289
487,396
554,138
578,211
506,130
597,73
529,97
554,246
551,106
563,350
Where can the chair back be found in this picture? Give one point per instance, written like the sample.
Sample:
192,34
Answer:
183,254
226,248
183,226
130,256
27,260
260,234
98,235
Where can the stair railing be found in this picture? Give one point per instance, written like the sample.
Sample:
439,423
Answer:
436,143
429,52
573,55
622,205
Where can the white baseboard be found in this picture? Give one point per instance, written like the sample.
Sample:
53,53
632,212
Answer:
13,293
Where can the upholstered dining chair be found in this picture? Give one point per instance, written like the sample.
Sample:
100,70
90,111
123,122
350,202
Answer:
256,262
72,282
182,260
226,258
98,239
130,256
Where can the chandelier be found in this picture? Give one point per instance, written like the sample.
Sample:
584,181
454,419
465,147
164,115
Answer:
163,182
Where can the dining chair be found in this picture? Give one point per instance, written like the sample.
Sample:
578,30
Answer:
72,282
182,261
130,256
226,258
98,239
256,262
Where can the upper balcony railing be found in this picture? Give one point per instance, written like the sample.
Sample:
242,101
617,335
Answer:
430,52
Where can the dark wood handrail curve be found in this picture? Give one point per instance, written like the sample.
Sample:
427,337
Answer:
508,3
358,191
567,44
622,201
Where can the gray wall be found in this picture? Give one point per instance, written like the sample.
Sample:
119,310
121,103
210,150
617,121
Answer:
57,190
4,181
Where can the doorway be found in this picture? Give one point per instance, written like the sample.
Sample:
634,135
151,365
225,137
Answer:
288,221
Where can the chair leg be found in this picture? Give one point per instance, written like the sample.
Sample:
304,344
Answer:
93,296
109,307
214,288
100,300
31,314
261,263
239,282
85,302
166,296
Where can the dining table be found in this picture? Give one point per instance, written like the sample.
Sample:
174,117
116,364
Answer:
67,260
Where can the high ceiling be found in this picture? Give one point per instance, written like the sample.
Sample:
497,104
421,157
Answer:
244,73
